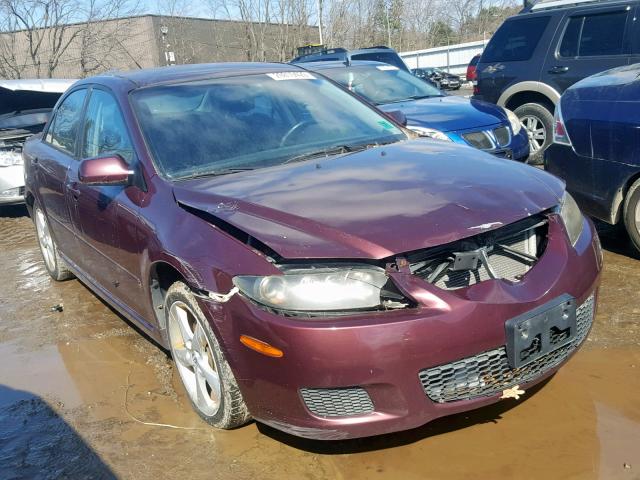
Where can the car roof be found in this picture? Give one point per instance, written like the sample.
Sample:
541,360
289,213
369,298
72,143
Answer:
546,7
48,85
187,73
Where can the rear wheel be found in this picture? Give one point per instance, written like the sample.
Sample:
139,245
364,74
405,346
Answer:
538,123
206,376
55,265
632,213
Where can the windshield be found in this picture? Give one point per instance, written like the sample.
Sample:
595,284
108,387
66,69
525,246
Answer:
382,83
229,124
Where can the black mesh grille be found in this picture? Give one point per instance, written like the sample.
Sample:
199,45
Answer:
337,402
502,136
489,373
479,140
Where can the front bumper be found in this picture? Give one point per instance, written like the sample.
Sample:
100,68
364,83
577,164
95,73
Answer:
385,354
11,185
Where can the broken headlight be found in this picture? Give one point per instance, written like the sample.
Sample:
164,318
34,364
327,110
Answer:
572,217
514,121
10,158
317,290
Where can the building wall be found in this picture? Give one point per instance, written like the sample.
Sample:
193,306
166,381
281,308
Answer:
452,58
139,42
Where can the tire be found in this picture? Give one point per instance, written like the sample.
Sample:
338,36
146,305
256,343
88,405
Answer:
534,118
53,262
199,360
632,213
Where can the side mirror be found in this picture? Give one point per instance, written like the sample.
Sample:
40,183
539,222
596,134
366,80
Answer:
111,170
398,116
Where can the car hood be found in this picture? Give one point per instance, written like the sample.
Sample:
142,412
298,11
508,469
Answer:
375,203
26,103
448,113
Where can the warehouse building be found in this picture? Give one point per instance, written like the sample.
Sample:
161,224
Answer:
85,49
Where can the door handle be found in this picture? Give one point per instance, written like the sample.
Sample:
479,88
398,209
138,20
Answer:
559,69
73,189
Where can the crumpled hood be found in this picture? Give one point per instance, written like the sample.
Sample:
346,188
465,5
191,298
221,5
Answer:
376,203
448,113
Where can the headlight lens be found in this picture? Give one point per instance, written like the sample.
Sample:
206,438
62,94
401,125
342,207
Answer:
516,124
429,132
572,217
10,158
322,290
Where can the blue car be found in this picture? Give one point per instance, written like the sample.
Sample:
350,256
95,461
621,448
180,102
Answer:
596,148
430,112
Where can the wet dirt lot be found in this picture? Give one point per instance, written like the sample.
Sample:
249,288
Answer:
84,395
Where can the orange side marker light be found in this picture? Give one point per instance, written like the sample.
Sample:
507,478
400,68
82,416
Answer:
261,347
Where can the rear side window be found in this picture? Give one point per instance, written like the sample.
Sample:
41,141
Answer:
594,35
383,57
63,131
515,40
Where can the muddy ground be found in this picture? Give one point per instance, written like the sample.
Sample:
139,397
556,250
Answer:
84,395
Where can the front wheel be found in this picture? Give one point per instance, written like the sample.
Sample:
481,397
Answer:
632,213
206,376
538,123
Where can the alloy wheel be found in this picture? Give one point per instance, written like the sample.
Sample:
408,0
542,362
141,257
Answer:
45,240
535,131
194,359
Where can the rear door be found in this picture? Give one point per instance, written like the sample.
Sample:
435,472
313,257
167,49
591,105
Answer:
51,159
590,41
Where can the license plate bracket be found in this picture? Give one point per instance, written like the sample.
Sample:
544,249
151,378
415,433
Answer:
541,331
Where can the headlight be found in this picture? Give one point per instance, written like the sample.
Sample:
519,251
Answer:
516,124
572,217
10,158
321,290
429,132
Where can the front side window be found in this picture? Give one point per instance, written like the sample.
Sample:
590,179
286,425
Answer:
105,131
64,129
515,40
382,84
594,35
247,122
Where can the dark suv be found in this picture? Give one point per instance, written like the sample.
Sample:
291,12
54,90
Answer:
374,54
539,53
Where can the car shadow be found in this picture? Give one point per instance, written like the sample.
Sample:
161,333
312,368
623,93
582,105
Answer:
36,442
13,211
615,239
488,414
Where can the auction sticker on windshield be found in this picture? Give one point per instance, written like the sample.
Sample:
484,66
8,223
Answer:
291,76
387,67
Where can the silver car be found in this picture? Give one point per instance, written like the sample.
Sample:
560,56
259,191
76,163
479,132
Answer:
25,106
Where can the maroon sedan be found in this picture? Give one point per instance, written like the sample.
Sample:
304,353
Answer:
307,261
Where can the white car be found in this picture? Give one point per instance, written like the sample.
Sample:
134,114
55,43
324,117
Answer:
25,106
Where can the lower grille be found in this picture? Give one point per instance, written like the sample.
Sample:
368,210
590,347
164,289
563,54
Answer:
337,402
488,373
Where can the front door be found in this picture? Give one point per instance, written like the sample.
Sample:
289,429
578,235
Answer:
106,217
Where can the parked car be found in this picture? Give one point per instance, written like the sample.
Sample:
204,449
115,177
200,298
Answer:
472,75
536,55
428,111
442,79
307,261
25,106
596,148
375,54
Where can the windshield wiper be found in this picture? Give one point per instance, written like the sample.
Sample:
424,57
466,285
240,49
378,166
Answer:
216,173
416,97
326,152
